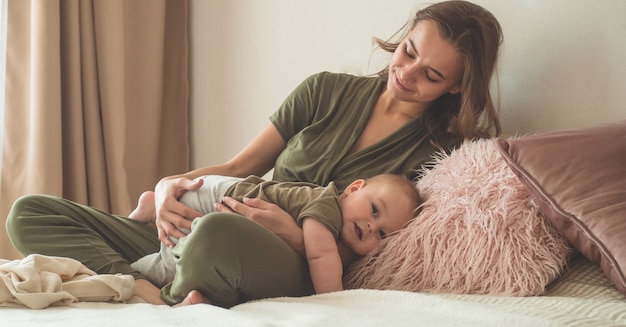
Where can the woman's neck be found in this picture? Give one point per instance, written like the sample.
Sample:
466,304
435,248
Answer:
388,116
389,105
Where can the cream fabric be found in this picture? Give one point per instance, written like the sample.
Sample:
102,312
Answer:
40,281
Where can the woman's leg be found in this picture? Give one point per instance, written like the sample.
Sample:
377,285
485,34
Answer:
103,242
231,260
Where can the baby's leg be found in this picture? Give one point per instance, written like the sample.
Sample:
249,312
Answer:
201,200
160,268
212,191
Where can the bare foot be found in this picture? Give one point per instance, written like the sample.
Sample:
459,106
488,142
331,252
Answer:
145,211
194,297
152,294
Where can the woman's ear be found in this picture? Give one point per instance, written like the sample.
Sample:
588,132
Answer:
455,90
354,186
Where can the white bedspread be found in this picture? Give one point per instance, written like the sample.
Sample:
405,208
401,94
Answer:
583,297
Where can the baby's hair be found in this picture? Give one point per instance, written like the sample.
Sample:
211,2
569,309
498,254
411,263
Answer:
407,186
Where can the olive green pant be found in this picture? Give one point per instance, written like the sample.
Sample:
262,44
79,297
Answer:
226,257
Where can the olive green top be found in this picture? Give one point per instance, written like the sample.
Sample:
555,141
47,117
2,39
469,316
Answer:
322,119
301,200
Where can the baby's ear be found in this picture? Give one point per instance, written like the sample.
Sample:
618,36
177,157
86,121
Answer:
354,186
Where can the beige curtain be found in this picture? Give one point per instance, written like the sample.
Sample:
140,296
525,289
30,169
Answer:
96,101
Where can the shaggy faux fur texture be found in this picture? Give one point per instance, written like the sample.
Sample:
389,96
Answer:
478,233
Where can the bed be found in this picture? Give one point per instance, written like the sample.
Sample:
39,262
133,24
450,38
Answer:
558,258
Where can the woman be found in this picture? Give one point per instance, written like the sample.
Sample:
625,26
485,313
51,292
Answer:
433,94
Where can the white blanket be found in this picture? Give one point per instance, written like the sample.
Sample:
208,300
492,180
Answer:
349,308
40,281
582,297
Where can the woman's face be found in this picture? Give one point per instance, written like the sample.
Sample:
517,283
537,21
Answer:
425,66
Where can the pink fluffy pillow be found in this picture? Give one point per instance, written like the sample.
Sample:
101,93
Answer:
479,232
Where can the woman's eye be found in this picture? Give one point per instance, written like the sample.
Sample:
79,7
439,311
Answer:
382,234
374,211
430,78
406,51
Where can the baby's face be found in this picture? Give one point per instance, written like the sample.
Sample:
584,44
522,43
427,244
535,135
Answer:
371,213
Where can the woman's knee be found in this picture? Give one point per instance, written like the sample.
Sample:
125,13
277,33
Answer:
204,261
221,226
232,259
223,231
226,236
21,218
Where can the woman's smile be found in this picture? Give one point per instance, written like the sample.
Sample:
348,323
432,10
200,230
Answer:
399,84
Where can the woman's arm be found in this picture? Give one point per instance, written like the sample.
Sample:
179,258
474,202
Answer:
257,158
323,257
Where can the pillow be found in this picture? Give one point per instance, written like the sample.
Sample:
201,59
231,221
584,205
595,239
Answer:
578,178
478,232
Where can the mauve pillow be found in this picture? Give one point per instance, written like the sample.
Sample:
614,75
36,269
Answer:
578,178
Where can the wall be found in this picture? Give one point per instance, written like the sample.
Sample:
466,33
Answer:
562,64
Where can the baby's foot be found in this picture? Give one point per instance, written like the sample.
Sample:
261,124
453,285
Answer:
145,211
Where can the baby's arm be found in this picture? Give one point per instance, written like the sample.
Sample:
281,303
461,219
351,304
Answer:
323,257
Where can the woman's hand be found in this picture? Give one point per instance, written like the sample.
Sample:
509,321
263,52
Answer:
269,215
257,158
170,213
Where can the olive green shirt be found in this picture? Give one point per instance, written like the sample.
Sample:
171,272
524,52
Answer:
301,200
322,119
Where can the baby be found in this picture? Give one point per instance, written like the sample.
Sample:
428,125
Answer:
368,211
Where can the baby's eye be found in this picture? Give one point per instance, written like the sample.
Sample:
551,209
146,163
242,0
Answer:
374,211
382,234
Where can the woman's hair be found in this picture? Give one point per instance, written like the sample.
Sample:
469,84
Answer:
477,35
